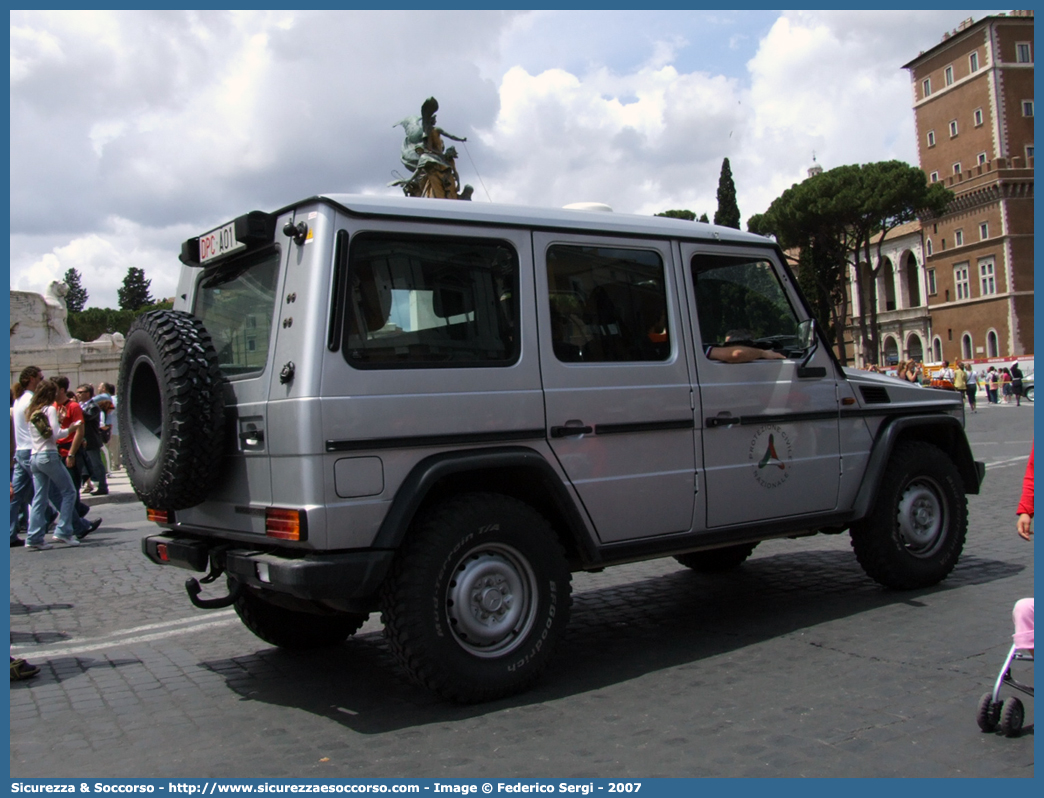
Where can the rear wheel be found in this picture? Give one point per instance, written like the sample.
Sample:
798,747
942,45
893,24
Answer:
291,629
1012,715
716,561
915,534
477,598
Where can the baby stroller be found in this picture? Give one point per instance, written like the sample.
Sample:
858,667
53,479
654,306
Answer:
1009,714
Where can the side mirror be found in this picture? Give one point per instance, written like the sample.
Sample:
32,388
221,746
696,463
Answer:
809,340
806,333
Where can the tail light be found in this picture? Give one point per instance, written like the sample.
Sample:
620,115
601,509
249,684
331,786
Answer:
286,524
160,516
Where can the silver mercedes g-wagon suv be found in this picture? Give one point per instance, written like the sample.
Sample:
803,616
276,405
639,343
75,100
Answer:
441,409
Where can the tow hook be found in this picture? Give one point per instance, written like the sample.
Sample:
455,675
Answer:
194,587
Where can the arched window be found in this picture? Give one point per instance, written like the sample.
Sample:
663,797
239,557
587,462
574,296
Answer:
928,247
914,348
913,290
966,346
937,350
888,289
891,351
992,348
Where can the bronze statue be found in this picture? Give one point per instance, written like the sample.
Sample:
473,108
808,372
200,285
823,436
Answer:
432,165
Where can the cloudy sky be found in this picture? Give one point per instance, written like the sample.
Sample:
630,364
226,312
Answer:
132,131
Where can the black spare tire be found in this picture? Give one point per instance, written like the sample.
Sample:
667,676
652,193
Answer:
170,410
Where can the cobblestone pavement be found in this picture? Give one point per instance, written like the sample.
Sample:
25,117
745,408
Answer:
794,665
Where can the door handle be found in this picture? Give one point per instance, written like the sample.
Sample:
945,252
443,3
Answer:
566,432
721,421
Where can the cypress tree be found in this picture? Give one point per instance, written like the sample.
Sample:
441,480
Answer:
728,214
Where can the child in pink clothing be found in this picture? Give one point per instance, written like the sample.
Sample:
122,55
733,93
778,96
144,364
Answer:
1023,612
1023,617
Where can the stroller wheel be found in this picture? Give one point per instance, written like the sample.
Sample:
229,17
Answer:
1011,717
989,712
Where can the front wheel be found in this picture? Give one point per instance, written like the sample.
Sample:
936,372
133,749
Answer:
988,713
915,534
477,598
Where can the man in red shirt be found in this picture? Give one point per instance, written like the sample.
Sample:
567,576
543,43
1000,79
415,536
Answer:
69,447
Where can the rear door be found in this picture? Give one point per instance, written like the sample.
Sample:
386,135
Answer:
435,351
770,432
237,302
616,384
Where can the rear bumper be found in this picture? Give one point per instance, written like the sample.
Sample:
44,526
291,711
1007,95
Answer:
313,577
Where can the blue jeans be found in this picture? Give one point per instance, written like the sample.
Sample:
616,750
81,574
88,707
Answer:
48,470
96,468
22,485
22,482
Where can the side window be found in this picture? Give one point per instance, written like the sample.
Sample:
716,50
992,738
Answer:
607,305
429,302
236,303
738,299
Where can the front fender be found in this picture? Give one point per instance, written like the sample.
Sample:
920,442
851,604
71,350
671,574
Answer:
943,431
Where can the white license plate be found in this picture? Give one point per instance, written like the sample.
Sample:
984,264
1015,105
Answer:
218,243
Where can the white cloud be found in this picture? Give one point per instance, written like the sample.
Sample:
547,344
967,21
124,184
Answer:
102,258
131,131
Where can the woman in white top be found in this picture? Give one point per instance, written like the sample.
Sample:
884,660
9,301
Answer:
46,466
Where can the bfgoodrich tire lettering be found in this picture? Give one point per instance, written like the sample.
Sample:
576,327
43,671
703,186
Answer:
915,533
294,630
477,598
171,410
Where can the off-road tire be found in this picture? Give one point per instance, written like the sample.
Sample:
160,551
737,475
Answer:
170,410
477,597
915,533
293,630
716,561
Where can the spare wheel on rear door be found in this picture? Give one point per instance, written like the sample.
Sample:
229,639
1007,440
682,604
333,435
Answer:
170,410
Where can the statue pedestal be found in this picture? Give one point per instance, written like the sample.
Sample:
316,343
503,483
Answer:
40,337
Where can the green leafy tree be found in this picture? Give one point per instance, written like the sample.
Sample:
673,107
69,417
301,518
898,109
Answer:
684,215
728,214
88,324
76,299
833,218
894,193
135,291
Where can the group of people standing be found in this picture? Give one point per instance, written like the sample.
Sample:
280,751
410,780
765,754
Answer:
57,437
1001,384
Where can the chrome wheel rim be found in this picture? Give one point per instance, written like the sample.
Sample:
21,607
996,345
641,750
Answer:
921,518
491,600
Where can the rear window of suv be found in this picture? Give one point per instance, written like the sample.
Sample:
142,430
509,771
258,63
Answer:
236,302
428,302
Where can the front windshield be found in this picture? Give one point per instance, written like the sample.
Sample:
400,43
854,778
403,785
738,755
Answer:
236,304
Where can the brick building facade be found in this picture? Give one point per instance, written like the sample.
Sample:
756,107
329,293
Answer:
973,109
